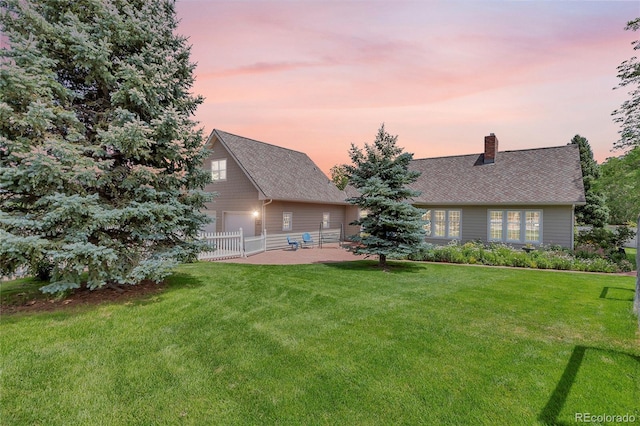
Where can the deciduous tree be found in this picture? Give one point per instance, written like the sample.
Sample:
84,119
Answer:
620,183
380,172
339,176
628,115
100,161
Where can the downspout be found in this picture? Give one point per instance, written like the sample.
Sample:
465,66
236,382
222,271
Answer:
573,225
264,223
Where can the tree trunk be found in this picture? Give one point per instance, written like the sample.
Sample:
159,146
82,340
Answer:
383,262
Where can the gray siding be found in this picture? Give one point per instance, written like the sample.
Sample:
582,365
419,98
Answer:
351,214
307,217
279,241
557,223
557,226
236,194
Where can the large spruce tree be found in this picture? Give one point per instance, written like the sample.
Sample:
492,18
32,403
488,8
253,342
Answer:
100,161
380,173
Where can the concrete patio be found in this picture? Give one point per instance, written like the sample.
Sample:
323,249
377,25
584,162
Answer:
328,253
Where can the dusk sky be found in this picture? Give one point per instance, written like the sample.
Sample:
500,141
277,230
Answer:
316,76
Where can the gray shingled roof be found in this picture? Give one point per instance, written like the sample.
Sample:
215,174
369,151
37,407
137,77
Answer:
532,176
279,173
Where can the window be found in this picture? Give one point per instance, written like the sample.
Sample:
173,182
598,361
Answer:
426,217
361,215
515,226
439,223
325,220
532,226
218,170
442,223
454,224
287,220
495,225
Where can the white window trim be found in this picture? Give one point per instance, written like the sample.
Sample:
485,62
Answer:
284,214
446,224
523,226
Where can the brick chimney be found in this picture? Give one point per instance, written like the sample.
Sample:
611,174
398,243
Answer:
490,148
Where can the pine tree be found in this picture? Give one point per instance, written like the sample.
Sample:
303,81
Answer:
100,163
392,226
595,212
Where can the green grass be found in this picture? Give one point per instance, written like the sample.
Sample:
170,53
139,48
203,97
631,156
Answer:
332,344
21,290
631,256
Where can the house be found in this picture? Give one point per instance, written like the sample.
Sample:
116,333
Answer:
267,189
515,197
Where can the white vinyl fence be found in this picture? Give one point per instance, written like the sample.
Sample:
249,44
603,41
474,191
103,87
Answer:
253,245
227,245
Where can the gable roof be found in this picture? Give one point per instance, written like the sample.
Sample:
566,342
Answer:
531,176
280,173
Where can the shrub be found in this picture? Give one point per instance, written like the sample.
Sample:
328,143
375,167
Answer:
588,257
604,238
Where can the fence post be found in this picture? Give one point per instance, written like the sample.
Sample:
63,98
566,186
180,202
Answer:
636,300
241,247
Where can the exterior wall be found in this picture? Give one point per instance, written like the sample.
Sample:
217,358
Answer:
279,241
235,194
557,223
351,213
307,217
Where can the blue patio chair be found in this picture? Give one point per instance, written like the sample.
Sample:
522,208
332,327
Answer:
307,240
292,243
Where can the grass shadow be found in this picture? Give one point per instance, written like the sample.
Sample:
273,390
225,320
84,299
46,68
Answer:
23,296
372,265
604,294
179,280
551,411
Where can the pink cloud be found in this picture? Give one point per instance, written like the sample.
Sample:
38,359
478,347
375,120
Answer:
323,74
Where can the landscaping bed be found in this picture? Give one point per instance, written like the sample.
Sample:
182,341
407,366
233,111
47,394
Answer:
585,259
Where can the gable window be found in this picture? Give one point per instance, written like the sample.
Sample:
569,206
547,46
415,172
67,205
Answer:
287,221
515,226
325,220
442,223
219,170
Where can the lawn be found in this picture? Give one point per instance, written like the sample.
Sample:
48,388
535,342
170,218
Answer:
631,256
332,344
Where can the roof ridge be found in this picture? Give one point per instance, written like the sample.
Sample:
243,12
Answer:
480,153
261,142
